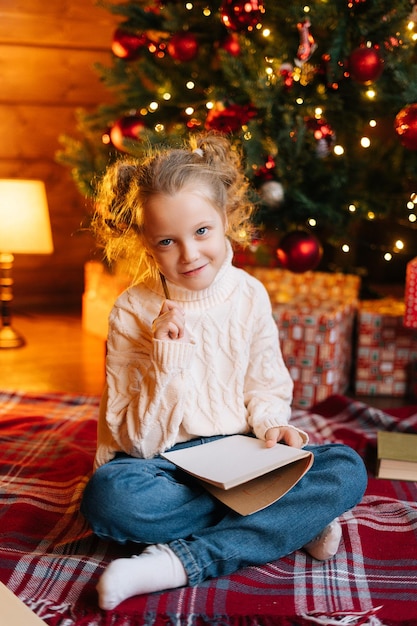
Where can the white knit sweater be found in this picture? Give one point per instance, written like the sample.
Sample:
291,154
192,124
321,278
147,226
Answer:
229,378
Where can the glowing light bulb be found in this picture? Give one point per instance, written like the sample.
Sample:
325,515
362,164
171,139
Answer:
388,256
189,110
365,142
153,106
412,217
338,150
399,245
352,208
345,248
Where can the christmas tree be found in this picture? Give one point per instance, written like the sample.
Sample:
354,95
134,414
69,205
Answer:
321,98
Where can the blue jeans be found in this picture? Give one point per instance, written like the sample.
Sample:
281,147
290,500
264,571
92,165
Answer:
150,501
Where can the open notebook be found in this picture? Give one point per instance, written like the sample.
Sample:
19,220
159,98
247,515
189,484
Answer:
242,472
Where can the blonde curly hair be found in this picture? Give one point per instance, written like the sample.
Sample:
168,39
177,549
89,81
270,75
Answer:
209,166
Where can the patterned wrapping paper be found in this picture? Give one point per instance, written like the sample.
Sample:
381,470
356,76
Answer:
315,314
385,348
410,298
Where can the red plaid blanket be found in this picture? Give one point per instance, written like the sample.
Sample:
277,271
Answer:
50,559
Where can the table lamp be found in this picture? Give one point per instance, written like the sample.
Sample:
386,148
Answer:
24,229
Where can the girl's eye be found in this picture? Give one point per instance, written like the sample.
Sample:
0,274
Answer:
165,242
202,231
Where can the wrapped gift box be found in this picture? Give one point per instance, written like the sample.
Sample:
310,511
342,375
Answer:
385,348
315,314
410,297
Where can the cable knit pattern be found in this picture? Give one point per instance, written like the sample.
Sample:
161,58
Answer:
228,378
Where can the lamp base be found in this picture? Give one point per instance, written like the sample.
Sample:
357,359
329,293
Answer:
9,338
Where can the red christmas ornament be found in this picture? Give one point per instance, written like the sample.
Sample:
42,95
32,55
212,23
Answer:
241,14
128,127
299,251
183,47
406,126
365,65
126,45
231,44
229,119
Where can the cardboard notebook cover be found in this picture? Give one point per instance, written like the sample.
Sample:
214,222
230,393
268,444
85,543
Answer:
242,472
14,613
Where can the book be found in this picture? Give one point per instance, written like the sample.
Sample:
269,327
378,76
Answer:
242,472
397,455
14,613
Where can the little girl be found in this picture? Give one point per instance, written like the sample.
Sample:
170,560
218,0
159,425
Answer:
197,361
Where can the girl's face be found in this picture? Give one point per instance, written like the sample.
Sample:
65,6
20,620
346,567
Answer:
186,237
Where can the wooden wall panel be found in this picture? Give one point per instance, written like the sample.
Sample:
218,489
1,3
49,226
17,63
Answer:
58,23
32,132
47,53
44,75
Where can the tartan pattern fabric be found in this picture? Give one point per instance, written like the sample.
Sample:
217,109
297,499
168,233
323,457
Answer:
51,560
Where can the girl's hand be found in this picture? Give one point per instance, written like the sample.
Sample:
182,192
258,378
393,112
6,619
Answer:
283,433
170,323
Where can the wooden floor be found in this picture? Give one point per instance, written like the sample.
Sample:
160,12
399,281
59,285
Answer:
60,356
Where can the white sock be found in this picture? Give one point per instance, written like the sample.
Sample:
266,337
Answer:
157,568
326,544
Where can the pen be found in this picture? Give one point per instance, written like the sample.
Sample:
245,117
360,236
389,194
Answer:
164,286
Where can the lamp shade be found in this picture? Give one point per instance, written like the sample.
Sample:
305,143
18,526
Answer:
24,217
